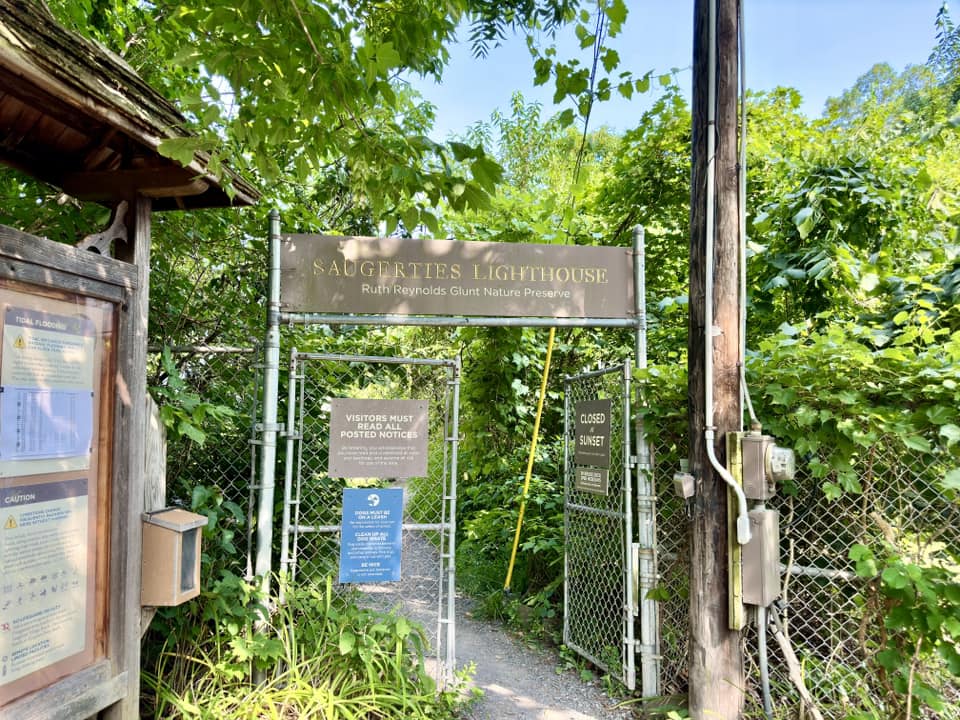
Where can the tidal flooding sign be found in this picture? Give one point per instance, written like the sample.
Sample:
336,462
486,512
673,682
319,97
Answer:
364,275
378,438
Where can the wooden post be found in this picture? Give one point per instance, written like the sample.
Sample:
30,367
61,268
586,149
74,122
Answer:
129,451
716,661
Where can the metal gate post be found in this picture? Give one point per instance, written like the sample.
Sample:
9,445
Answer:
452,544
630,671
567,382
649,645
288,474
271,376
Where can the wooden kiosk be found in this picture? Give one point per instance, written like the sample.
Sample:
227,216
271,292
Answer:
73,343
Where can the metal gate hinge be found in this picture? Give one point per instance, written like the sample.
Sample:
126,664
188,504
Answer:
268,427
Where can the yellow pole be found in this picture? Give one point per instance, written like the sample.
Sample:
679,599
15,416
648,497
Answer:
533,452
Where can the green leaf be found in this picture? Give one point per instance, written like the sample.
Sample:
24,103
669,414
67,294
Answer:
915,442
895,577
949,653
941,414
462,151
610,59
190,430
951,433
859,552
181,149
889,659
616,12
348,642
486,172
951,481
804,221
541,70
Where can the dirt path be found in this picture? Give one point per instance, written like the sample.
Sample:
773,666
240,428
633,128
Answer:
521,683
518,682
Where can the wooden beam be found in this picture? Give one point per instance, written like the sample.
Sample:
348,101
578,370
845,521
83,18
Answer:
150,182
716,690
129,452
80,695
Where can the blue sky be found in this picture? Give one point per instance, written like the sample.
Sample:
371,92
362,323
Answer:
819,47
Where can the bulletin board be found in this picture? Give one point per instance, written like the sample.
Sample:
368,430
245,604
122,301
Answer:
57,364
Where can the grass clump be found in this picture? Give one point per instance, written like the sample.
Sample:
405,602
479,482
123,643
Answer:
327,660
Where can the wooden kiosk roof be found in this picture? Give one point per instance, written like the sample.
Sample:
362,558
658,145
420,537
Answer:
78,117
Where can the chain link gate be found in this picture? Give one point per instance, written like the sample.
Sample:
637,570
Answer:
312,511
599,577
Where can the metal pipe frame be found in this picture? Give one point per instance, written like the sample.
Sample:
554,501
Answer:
646,502
285,318
376,359
629,610
268,439
288,475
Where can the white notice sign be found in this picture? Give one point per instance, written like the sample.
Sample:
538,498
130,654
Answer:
43,566
46,392
377,438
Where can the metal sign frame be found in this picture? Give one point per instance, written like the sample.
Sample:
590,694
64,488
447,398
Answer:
270,427
310,532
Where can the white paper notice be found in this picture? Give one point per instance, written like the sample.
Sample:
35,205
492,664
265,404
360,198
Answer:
43,575
39,423
46,392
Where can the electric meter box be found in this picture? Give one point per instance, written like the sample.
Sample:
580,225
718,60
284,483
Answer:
761,558
764,465
171,557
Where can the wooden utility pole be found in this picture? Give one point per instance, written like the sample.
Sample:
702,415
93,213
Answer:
716,661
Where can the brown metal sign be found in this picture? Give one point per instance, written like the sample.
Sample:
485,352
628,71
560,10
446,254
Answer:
592,480
592,433
365,275
377,438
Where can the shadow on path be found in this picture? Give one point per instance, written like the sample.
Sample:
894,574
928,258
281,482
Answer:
522,683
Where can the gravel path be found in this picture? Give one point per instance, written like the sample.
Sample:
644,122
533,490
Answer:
521,683
518,682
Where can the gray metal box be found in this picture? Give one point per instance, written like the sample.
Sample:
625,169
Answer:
757,484
761,558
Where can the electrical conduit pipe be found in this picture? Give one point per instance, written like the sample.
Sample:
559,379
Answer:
709,433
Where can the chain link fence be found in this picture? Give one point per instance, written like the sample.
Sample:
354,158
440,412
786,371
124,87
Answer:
221,386
312,538
834,619
597,533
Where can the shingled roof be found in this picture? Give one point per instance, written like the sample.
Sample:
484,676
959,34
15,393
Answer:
77,116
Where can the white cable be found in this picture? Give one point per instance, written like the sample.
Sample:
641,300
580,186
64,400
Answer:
742,210
764,666
743,521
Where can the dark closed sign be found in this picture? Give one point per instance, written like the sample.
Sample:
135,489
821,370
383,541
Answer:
366,275
592,433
